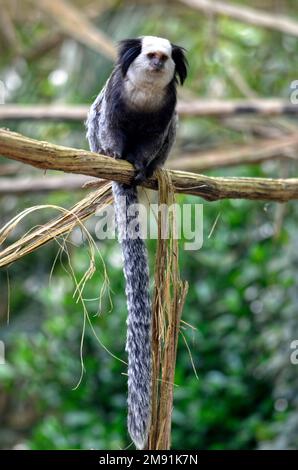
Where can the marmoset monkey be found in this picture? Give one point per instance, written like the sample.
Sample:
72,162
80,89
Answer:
134,118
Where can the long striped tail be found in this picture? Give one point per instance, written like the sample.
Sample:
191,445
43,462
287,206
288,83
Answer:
138,340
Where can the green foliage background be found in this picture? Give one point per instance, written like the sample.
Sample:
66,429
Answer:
242,299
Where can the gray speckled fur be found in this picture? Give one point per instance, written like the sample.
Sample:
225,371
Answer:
111,131
138,339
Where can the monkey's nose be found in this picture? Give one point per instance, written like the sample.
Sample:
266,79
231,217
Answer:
157,63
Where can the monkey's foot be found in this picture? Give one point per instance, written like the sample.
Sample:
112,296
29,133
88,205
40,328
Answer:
140,176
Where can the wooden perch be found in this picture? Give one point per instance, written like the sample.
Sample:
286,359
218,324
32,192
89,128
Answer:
247,15
200,107
55,157
262,150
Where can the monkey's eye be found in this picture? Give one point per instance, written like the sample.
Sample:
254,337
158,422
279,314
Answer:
163,57
151,55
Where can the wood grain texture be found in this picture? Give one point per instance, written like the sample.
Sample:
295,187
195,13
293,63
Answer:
49,156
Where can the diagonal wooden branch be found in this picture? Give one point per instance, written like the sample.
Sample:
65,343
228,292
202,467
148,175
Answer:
247,15
55,38
76,24
55,157
65,222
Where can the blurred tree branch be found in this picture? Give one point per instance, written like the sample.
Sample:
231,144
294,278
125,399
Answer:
73,22
48,156
7,29
46,44
31,184
257,152
247,15
200,107
9,169
53,39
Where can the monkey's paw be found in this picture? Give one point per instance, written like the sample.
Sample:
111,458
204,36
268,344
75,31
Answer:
109,152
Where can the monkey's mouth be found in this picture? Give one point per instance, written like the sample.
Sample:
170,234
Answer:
155,69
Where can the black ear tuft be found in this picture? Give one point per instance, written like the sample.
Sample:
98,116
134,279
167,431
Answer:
178,56
128,51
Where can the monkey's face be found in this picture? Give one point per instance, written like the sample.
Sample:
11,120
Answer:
154,63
